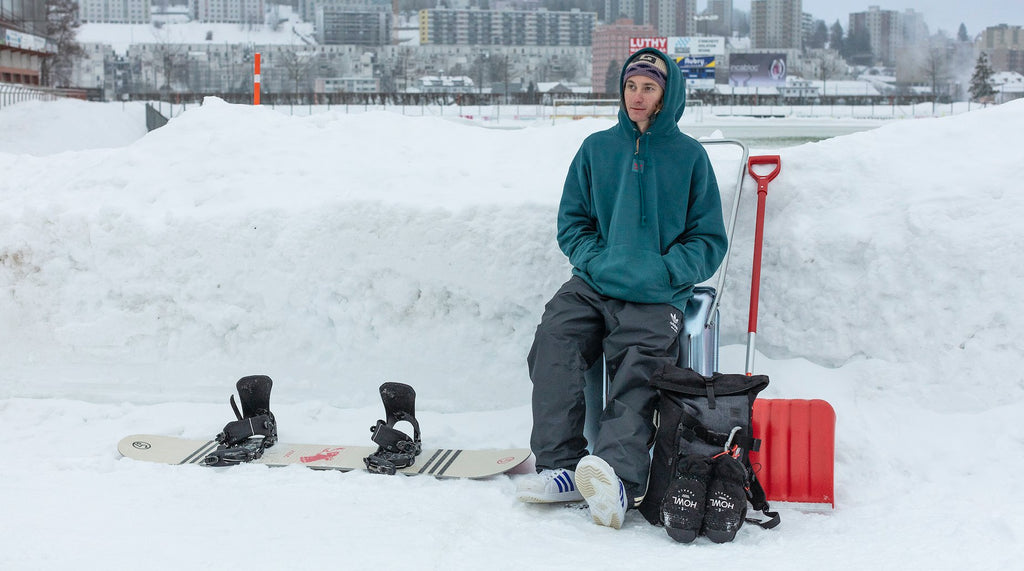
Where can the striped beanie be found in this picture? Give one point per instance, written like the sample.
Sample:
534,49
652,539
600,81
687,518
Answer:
647,65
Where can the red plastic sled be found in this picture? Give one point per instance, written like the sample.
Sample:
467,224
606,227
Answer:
797,455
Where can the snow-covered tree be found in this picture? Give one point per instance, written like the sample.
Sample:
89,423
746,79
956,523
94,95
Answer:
980,87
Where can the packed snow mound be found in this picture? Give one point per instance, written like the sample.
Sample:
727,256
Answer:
52,127
899,244
338,251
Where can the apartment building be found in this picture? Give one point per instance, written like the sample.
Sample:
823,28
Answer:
721,24
307,8
667,17
1004,45
776,24
228,11
441,26
114,11
361,25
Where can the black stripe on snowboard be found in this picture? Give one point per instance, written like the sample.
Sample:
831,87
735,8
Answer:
434,466
200,453
449,464
427,467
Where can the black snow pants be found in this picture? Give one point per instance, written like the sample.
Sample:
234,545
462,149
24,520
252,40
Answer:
578,326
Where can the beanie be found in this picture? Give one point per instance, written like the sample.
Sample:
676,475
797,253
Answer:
648,65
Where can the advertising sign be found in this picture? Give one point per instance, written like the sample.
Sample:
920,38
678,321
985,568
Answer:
696,45
640,43
23,41
757,70
699,71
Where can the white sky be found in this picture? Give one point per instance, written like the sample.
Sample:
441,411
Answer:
939,14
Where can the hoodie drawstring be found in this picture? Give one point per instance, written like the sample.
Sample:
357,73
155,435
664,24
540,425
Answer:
638,166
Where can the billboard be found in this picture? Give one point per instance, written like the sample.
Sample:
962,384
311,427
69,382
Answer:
757,70
699,71
24,41
696,45
636,44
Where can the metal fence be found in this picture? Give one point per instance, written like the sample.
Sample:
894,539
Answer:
11,93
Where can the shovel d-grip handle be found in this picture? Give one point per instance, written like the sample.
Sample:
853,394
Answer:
755,279
763,180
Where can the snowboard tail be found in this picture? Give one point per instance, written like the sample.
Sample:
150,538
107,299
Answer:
441,462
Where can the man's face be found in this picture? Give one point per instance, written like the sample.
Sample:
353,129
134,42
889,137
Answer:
643,98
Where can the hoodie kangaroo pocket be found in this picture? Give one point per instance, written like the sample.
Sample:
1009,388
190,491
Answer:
630,274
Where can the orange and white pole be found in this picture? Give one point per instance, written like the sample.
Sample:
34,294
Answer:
256,81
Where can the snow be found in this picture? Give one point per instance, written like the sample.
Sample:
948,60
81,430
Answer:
142,274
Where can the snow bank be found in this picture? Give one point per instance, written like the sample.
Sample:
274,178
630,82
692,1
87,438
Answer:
140,276
338,250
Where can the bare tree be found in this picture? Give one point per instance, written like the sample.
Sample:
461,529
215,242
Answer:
830,64
297,65
935,71
169,61
62,26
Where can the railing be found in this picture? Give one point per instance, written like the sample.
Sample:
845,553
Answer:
579,109
11,93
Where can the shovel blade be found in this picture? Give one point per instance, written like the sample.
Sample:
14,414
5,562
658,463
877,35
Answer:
797,457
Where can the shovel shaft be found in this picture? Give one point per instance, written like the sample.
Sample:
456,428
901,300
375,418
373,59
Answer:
755,278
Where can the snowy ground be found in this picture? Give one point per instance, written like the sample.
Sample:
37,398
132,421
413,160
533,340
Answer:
141,275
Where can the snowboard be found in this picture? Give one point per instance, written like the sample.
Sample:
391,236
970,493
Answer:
441,463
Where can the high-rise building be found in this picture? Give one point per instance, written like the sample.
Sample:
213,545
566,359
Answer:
610,50
1004,45
722,25
889,31
884,30
776,24
668,17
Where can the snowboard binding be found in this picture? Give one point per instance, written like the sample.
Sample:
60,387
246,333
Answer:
395,448
245,439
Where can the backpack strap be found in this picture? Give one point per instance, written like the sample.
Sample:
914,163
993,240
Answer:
758,499
690,427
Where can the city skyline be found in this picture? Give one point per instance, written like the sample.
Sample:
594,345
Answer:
938,14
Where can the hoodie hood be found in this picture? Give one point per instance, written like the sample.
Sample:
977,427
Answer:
673,101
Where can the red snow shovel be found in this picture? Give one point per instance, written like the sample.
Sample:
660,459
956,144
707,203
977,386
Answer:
797,455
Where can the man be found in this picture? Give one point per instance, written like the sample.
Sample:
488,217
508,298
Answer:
641,221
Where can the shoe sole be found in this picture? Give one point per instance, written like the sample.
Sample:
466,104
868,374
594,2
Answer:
603,506
540,499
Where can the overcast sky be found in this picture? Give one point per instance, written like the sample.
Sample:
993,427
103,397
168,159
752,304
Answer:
938,14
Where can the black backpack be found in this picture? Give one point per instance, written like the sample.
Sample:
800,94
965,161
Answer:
706,416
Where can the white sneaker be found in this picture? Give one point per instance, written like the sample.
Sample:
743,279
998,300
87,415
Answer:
548,486
602,490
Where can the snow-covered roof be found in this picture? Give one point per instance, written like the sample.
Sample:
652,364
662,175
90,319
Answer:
1007,78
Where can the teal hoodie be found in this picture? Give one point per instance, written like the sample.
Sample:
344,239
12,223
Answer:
641,217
